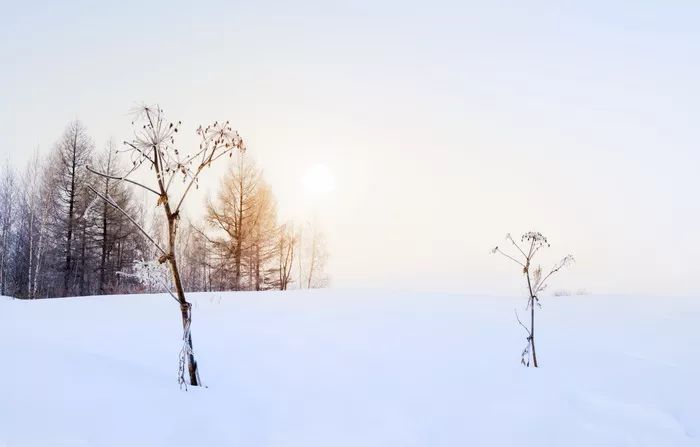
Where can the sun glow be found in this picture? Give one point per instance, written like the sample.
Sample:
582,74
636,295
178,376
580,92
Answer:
318,181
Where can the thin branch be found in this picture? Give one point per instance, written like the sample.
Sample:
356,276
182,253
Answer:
124,178
115,205
143,154
165,287
510,238
554,270
187,190
498,250
517,317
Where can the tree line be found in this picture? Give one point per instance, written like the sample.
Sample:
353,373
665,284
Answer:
57,238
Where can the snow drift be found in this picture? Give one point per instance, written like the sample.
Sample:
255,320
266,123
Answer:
350,369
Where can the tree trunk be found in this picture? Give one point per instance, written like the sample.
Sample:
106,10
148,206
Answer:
83,256
312,265
2,262
257,268
119,261
31,251
40,249
103,255
71,206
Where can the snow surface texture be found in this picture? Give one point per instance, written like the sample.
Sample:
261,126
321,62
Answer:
350,369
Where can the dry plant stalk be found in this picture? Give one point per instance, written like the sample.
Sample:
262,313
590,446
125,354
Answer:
153,147
530,244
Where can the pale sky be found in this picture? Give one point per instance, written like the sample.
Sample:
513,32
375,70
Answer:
445,124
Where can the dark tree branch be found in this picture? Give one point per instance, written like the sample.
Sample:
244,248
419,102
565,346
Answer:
131,219
124,179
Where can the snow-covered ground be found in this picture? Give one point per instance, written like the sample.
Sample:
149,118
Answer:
350,369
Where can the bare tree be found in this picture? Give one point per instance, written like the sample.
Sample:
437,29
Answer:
34,218
263,244
112,234
153,147
8,210
36,204
530,244
73,150
315,253
108,168
233,217
285,254
193,249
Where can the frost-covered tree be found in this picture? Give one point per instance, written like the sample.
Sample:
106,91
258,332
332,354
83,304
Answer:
173,174
112,235
195,252
313,257
35,208
287,244
73,152
8,212
530,244
35,219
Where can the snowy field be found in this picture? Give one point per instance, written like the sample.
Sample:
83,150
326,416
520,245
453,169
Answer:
336,369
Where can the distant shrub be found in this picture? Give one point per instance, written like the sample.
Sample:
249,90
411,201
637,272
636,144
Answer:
567,292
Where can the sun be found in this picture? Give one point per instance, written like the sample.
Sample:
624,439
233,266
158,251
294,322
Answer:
318,180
